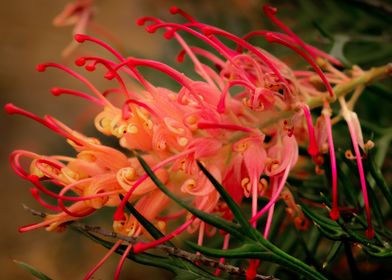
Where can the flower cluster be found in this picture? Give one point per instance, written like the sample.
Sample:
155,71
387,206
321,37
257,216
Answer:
243,120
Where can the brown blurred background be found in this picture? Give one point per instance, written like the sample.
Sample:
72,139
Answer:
28,38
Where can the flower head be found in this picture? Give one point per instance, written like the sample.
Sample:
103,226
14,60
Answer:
229,132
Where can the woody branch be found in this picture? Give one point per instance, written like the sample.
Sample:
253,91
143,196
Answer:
174,251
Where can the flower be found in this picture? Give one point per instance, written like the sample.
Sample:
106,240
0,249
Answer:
228,132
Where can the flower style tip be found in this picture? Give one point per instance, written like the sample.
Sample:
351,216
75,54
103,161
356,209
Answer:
269,10
370,232
11,109
119,215
80,38
251,271
312,149
174,10
33,178
141,21
41,67
334,214
56,91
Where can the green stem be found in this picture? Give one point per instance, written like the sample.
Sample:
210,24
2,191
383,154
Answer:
340,90
367,77
292,262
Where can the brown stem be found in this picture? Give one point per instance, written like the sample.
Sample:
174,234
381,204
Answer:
174,251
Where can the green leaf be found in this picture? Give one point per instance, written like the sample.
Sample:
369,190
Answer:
322,31
327,226
157,234
281,257
233,206
339,43
145,223
333,253
220,223
378,252
345,182
276,255
379,178
32,270
374,247
182,267
252,250
247,250
143,258
375,206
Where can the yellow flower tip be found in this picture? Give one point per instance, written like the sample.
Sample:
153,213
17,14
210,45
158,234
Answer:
161,225
369,145
349,155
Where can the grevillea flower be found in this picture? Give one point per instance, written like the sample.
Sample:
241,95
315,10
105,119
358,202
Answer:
229,133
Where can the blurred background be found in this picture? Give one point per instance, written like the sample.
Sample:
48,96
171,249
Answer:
357,32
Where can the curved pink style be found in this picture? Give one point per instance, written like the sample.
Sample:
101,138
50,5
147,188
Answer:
228,118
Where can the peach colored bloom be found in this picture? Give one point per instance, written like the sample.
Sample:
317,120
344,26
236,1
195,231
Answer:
202,121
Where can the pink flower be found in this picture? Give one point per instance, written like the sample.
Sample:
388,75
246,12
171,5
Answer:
202,121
